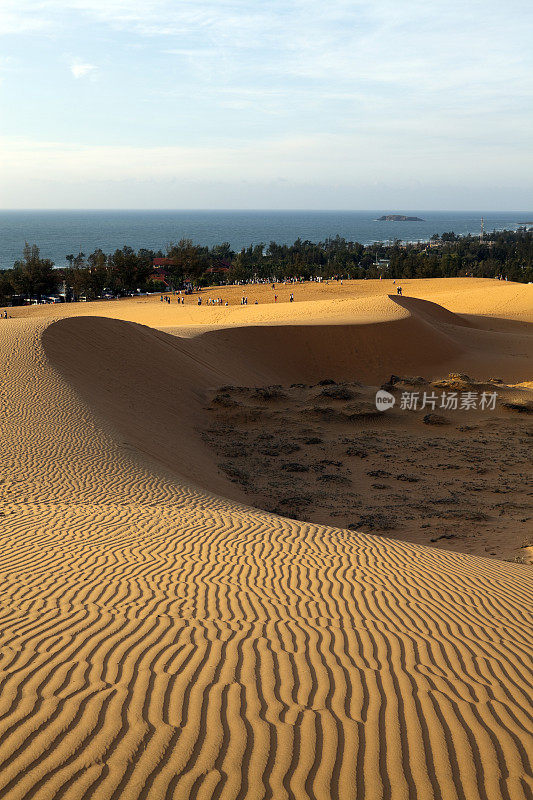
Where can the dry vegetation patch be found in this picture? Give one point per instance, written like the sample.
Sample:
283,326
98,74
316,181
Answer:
323,453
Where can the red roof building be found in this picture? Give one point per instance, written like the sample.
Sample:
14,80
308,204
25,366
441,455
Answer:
211,270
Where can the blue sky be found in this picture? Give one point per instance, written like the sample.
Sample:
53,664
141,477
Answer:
293,104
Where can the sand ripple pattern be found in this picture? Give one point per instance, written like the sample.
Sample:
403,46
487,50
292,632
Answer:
157,642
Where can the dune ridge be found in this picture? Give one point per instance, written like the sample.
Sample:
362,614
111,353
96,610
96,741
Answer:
161,639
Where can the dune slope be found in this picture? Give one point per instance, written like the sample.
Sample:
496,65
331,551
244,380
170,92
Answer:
153,386
160,641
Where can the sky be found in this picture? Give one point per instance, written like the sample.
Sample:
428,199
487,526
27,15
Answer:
403,104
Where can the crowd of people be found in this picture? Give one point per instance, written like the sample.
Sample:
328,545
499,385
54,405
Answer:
179,295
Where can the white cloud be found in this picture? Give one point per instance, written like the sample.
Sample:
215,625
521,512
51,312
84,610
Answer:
81,69
345,160
344,91
17,20
385,45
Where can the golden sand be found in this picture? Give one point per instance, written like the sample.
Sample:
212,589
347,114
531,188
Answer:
159,638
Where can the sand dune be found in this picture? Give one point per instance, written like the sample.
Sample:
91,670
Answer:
161,639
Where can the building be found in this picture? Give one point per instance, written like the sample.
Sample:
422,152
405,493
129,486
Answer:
161,268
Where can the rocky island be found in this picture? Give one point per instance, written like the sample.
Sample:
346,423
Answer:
398,218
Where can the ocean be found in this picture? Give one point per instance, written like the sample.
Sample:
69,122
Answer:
58,233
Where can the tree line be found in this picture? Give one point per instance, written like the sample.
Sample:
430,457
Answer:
507,254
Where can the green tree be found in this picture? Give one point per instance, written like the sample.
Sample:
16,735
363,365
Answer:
33,275
6,286
123,269
190,261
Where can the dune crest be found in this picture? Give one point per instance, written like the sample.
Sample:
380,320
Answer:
160,639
